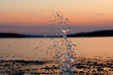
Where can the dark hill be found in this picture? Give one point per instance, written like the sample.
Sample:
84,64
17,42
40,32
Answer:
88,34
10,35
93,34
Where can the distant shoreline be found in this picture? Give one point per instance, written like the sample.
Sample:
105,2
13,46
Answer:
101,33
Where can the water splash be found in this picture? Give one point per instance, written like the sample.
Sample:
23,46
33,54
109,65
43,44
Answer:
64,53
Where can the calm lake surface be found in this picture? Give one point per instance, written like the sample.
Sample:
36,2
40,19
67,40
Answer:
37,48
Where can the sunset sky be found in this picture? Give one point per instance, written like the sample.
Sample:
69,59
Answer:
33,16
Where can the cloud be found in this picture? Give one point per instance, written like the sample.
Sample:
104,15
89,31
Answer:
99,14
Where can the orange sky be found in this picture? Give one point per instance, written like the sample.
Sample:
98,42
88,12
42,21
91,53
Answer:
37,12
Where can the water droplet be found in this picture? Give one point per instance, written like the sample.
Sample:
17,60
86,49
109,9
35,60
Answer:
8,45
44,36
40,41
54,46
73,68
36,48
18,23
50,28
64,24
57,14
74,45
46,52
51,39
74,54
50,54
66,19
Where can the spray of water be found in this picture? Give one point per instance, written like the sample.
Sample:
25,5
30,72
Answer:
64,53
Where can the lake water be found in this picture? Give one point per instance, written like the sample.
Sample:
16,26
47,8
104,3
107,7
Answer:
36,48
36,55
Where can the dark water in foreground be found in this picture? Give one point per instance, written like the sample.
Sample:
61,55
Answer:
85,66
